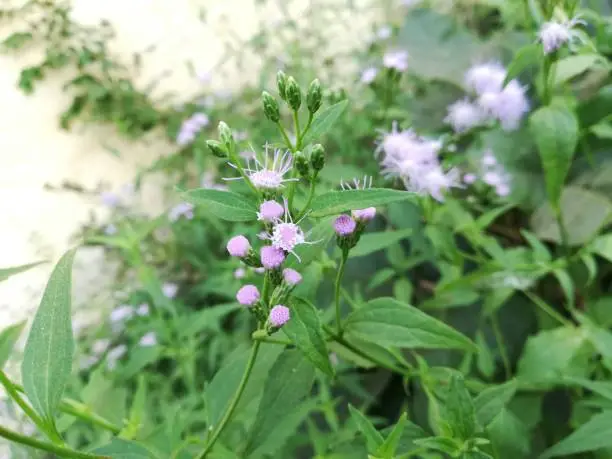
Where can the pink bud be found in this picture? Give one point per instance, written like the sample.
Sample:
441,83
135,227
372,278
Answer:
364,215
248,295
270,211
344,225
279,315
238,246
291,276
271,257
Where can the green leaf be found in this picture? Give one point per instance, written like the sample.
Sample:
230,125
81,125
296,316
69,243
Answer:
5,273
492,400
373,438
373,242
555,130
602,246
289,382
8,338
572,66
16,40
457,411
335,202
124,449
389,447
137,410
524,58
304,330
388,322
446,445
324,121
603,388
584,213
509,436
594,435
225,205
47,360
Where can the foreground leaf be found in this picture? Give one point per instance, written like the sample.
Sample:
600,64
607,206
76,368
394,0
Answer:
124,449
373,437
388,322
491,401
226,205
373,242
5,273
335,202
324,121
594,435
47,360
8,338
457,411
509,436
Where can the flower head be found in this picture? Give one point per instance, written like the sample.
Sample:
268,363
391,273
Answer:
512,106
384,32
110,199
464,115
148,340
364,215
121,313
169,289
271,257
279,315
369,75
270,211
291,276
190,128
240,273
487,77
554,34
183,209
248,295
397,60
143,310
468,179
344,225
269,174
238,246
100,345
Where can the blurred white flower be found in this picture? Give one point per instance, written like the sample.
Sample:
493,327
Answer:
148,340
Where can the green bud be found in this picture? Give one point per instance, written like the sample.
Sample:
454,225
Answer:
313,98
281,83
226,135
293,94
270,107
301,164
217,148
317,157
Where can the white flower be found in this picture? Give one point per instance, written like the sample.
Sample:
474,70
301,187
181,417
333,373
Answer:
100,345
114,355
143,310
554,34
169,290
384,32
269,174
464,115
369,75
148,340
487,77
121,313
397,60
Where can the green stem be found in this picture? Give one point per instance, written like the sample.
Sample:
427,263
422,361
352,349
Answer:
546,90
265,292
563,231
337,290
269,339
548,309
234,403
298,134
44,446
308,123
236,161
313,184
286,138
499,337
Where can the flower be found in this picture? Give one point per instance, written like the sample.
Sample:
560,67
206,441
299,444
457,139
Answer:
115,354
468,179
364,215
511,106
208,181
494,175
369,75
183,209
238,246
148,340
384,32
123,312
270,211
248,295
435,182
110,229
286,234
143,310
487,77
240,273
291,276
169,289
100,345
279,315
554,34
270,174
271,257
190,128
344,225
397,60
464,115
110,199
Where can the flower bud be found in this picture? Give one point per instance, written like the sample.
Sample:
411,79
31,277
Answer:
301,164
217,148
281,83
313,98
226,135
293,94
270,107
317,157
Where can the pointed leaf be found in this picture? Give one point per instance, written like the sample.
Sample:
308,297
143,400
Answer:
491,401
509,435
5,273
335,202
324,121
524,58
373,438
389,447
124,449
373,242
305,331
457,411
226,205
8,338
388,322
594,435
47,360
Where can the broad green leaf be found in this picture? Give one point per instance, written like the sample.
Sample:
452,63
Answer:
509,436
457,412
223,204
492,400
373,438
304,330
289,381
572,66
47,360
602,130
335,202
389,447
373,242
5,273
124,449
388,322
584,213
8,338
555,130
602,246
594,435
324,121
524,58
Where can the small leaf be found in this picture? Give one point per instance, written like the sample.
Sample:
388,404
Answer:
594,435
373,438
124,449
137,411
491,401
47,360
335,202
324,121
373,242
304,330
572,66
457,411
509,436
388,322
525,57
555,130
5,273
8,338
226,205
603,246
389,447
446,445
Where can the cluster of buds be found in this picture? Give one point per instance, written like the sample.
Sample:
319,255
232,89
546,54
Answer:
349,228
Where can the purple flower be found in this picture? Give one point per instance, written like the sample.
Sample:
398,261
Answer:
191,127
555,34
279,315
369,75
148,340
397,60
270,211
344,225
269,174
183,209
271,257
248,295
143,310
487,77
364,215
468,179
238,246
169,290
464,115
121,313
110,199
291,276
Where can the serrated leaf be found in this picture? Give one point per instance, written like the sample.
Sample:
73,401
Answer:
47,360
594,435
5,273
225,205
373,242
324,121
388,322
555,131
490,401
305,331
373,438
8,338
124,449
335,202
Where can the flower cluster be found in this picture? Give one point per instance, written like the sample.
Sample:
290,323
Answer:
396,60
554,34
492,173
191,128
414,159
348,228
492,100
